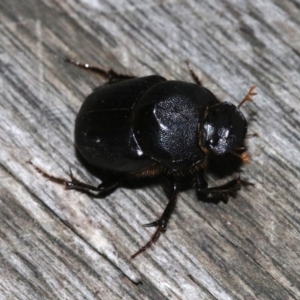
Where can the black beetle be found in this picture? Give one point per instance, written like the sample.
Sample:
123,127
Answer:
148,126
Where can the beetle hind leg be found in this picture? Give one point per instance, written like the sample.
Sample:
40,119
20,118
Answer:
161,223
107,185
109,74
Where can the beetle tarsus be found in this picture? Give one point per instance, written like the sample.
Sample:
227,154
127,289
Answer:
109,74
48,176
153,240
161,223
195,77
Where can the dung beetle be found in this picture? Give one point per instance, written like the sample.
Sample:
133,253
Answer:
145,127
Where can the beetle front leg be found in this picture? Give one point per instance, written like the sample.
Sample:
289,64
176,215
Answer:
219,193
109,74
107,185
162,222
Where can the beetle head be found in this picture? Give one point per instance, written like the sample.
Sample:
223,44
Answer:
224,128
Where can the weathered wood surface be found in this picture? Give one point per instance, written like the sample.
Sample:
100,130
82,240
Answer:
58,244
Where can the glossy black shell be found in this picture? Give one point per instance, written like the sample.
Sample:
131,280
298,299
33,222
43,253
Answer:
128,125
167,122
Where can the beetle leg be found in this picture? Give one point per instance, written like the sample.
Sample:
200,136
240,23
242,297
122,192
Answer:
109,74
106,186
162,222
195,77
219,193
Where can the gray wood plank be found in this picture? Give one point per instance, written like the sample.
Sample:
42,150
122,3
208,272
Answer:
58,244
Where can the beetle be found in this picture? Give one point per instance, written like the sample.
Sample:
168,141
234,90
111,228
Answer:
148,126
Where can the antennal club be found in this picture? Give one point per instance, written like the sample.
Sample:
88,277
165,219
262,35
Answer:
248,96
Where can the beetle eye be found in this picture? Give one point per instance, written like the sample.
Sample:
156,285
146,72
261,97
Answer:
224,128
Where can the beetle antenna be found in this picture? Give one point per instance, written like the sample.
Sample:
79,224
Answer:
248,96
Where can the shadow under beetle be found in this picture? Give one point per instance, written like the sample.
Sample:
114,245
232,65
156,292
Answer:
149,126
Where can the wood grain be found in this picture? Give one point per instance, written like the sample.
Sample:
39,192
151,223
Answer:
58,244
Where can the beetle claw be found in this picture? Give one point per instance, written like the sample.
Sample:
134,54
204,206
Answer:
153,224
160,229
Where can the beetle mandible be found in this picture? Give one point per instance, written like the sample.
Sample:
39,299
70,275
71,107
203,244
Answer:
149,126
